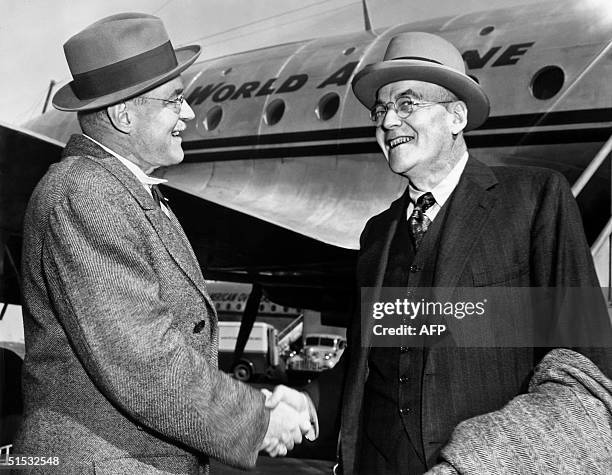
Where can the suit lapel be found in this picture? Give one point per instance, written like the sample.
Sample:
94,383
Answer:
178,247
169,230
397,212
469,210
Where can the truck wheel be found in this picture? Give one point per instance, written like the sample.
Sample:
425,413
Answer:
242,372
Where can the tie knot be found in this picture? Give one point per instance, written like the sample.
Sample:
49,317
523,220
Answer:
425,201
158,197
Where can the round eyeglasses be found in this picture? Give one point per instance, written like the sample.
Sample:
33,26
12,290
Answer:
403,107
174,104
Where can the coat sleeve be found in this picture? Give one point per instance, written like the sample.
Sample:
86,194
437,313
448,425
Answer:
563,425
107,295
561,260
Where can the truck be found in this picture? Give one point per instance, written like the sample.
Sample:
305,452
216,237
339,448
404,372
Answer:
322,346
321,351
260,356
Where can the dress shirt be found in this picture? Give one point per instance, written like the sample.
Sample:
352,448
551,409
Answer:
441,192
146,180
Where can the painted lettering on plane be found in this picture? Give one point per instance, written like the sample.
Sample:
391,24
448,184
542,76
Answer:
510,56
222,92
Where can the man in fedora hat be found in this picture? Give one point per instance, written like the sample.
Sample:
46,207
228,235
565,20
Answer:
121,372
459,224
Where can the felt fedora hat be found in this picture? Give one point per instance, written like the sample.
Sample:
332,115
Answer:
423,57
119,57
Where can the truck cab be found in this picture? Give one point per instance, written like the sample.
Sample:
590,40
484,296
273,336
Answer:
321,351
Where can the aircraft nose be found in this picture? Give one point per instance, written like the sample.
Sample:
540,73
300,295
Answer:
186,111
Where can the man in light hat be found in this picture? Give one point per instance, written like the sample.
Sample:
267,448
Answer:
459,224
121,372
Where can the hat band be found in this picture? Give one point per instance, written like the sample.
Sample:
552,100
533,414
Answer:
419,58
123,74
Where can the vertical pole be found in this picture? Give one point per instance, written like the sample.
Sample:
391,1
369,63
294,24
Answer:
366,16
49,91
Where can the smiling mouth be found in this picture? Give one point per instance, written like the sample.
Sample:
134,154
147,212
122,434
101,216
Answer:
396,142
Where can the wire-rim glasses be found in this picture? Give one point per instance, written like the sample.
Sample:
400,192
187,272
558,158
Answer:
403,107
175,104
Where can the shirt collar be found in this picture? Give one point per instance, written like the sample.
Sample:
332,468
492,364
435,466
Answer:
135,169
444,189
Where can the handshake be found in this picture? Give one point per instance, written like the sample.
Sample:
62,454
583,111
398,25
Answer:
292,415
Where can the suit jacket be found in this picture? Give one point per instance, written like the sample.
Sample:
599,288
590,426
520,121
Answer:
504,226
121,372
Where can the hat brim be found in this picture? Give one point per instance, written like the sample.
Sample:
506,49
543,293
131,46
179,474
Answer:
370,79
66,100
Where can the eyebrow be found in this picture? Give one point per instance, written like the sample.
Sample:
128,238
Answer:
407,93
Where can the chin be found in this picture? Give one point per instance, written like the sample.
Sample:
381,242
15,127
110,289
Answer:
400,165
176,156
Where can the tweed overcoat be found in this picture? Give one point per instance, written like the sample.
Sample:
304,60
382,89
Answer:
121,372
504,226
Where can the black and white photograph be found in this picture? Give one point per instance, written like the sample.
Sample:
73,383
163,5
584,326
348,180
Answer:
367,237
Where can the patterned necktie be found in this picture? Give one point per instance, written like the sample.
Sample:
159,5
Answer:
418,222
158,196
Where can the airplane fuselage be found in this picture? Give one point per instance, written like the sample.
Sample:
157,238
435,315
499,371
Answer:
278,134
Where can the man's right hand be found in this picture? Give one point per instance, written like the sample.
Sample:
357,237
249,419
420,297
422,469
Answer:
285,429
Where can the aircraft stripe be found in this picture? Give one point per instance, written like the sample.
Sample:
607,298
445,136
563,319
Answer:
287,137
585,116
353,148
550,118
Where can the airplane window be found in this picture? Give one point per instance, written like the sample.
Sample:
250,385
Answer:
547,82
328,106
273,308
274,111
239,306
213,117
486,30
348,51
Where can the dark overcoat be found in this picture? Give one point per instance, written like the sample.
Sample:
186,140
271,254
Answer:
504,226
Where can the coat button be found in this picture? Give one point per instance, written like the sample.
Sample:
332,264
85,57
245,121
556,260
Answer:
415,268
199,326
404,349
404,411
403,379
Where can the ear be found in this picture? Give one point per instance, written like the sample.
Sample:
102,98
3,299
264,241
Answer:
119,116
458,116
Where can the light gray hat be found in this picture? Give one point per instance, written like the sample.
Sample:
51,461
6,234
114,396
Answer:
423,57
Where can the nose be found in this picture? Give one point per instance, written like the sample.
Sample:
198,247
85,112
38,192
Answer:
391,119
186,112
